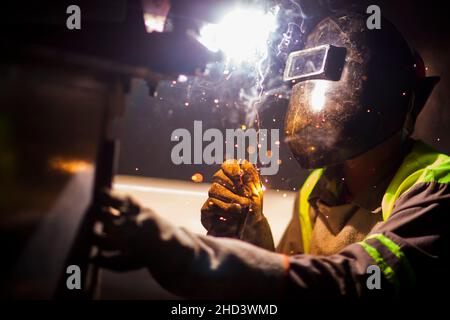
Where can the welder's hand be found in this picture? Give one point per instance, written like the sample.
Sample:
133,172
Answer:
124,239
235,203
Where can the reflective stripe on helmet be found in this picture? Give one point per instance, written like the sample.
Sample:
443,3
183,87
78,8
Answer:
305,221
421,165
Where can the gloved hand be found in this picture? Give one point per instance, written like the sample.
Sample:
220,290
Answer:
125,239
235,203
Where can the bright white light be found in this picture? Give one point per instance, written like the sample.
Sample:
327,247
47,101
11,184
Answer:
154,23
241,35
182,78
318,95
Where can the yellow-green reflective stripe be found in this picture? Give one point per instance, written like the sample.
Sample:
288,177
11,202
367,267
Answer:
439,172
423,164
305,222
397,251
384,267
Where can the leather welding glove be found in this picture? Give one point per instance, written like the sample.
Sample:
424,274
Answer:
124,239
235,204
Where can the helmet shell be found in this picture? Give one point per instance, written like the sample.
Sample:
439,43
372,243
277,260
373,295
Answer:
328,122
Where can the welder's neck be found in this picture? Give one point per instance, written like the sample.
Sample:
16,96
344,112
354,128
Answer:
369,169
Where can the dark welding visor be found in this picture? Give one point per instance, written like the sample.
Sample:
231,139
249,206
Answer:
322,62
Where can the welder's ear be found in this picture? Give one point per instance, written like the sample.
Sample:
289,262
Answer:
422,92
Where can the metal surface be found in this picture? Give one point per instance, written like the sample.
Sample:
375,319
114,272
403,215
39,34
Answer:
52,116
61,98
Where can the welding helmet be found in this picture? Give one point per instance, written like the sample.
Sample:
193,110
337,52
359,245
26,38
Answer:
352,89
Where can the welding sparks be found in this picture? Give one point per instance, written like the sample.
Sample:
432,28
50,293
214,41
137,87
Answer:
241,35
198,178
182,78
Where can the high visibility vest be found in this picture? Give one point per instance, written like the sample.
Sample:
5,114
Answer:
423,164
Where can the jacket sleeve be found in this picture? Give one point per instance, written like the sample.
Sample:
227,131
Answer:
410,250
257,233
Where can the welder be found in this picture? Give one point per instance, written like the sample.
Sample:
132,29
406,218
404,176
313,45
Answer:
375,196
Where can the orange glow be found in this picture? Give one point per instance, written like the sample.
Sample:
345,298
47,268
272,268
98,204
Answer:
197,178
70,165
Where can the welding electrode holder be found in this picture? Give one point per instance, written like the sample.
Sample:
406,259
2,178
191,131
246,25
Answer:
244,221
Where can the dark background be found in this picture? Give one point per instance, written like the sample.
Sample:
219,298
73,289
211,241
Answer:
149,121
